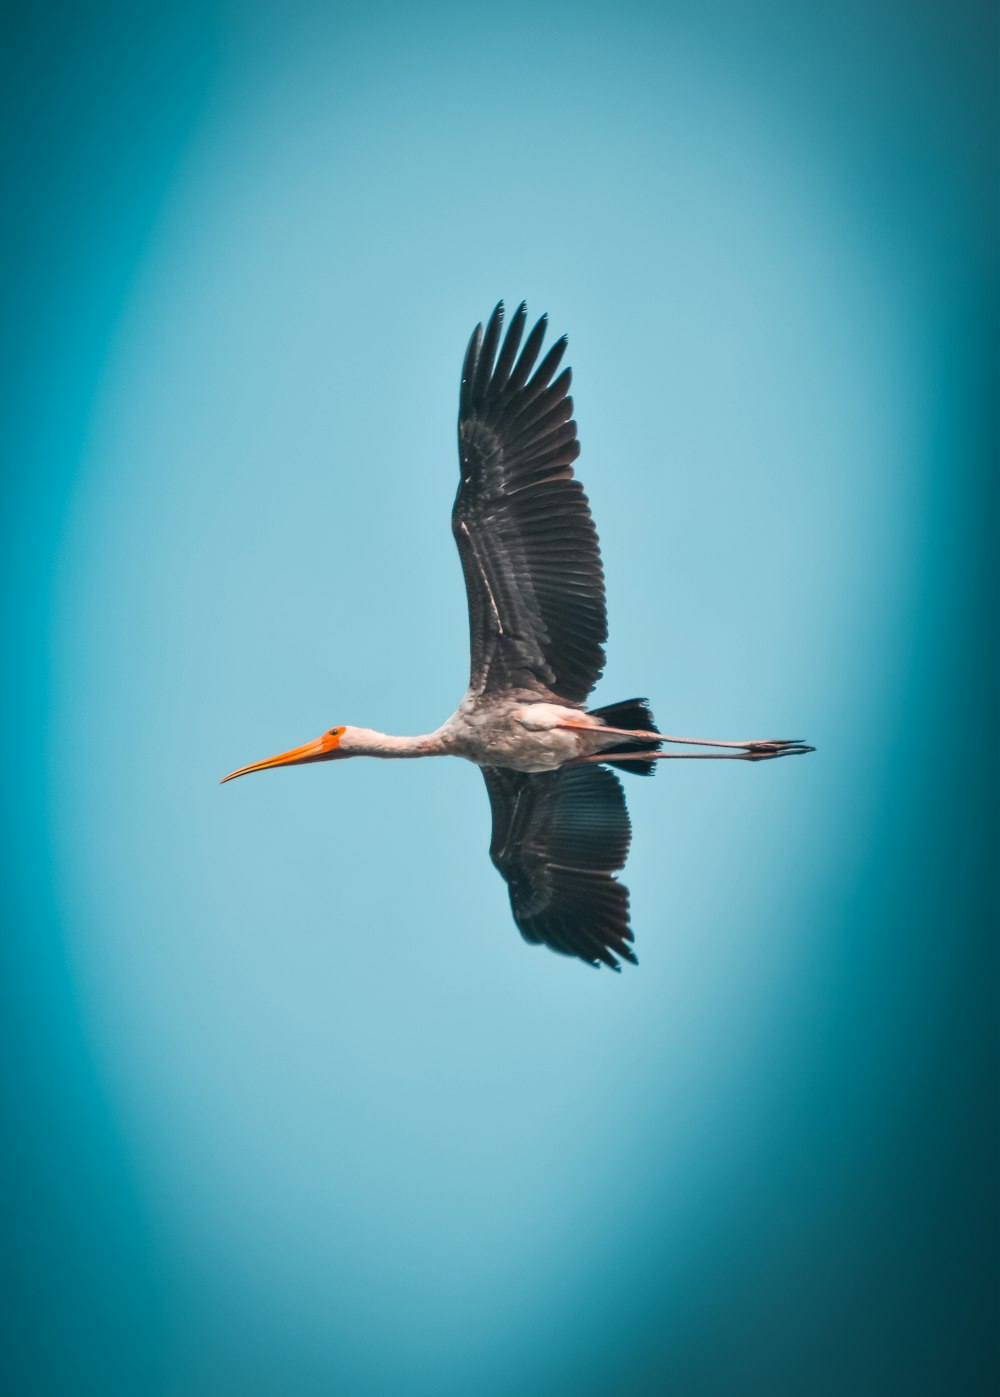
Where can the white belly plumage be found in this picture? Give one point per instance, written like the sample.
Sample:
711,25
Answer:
523,736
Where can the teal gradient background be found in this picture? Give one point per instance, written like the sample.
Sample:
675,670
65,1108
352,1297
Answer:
290,1106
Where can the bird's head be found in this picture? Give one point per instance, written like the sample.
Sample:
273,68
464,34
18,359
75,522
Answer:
330,745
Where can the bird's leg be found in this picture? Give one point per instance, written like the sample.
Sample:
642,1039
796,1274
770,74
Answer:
752,742
758,752
754,748
757,748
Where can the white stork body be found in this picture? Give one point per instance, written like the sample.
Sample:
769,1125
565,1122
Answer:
521,736
538,624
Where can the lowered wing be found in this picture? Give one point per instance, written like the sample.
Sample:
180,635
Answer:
558,839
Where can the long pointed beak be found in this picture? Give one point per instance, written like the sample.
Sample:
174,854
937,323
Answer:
315,751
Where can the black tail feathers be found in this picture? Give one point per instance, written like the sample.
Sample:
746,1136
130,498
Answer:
631,713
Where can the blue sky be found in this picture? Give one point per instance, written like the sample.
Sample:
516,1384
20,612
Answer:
333,1125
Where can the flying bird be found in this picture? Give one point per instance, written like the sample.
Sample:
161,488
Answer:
538,625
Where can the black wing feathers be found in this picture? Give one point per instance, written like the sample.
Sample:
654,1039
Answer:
558,839
511,345
528,545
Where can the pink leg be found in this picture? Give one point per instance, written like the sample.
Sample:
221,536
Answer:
758,752
752,742
759,747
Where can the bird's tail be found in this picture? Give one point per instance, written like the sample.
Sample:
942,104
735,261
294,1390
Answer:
631,713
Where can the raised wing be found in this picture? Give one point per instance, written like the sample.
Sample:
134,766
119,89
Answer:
527,542
558,838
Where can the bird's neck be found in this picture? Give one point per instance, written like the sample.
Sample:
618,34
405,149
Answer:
369,742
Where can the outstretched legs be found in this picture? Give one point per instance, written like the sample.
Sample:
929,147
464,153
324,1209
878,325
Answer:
753,750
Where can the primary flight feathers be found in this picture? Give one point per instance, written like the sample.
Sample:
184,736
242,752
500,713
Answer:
522,522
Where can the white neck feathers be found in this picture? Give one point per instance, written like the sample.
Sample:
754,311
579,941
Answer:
368,742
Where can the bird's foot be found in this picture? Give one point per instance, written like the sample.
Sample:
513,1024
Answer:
764,751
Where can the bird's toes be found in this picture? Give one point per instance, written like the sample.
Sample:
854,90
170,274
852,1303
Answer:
776,747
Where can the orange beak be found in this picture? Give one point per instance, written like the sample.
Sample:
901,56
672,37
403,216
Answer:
316,751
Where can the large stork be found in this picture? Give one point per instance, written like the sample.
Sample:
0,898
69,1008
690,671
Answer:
538,625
